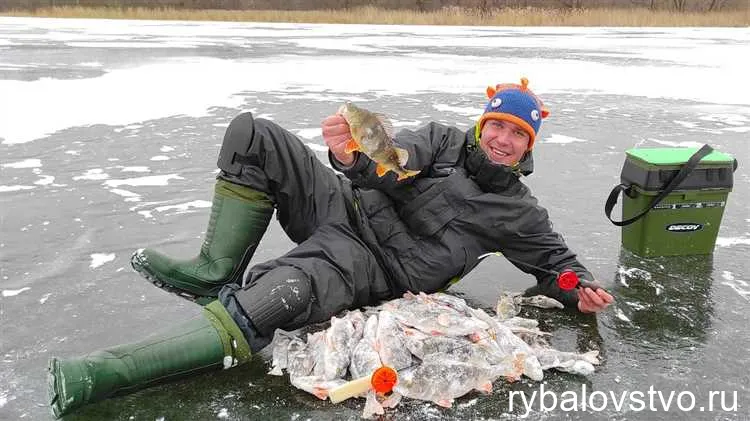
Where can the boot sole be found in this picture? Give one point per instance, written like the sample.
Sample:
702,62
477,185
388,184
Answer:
139,265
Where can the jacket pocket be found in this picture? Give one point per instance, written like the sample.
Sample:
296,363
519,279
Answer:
432,210
384,220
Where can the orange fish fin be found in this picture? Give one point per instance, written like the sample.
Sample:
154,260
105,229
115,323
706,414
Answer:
386,123
491,91
403,156
381,170
351,146
407,173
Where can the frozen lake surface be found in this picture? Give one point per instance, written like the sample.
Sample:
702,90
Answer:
109,133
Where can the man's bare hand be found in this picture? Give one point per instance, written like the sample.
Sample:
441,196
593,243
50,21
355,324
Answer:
592,301
336,135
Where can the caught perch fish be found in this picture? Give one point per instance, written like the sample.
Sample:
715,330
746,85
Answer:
372,134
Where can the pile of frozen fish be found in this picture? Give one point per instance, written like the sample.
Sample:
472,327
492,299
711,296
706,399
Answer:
440,347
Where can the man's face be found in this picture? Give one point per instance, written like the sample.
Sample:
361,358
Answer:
504,142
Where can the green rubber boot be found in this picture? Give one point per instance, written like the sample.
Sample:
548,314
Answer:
210,341
239,218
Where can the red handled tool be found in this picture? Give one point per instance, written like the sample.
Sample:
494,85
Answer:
567,279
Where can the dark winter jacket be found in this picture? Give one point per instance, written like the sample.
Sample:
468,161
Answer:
429,229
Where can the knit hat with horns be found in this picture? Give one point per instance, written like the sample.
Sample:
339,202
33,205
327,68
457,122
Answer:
517,104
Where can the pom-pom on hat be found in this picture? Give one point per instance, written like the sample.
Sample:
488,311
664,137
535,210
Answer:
517,104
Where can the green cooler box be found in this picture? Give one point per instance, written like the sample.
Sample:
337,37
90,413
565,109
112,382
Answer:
672,204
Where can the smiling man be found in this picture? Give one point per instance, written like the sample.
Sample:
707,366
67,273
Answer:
512,220
506,132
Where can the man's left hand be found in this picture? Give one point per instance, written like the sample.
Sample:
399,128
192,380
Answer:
592,301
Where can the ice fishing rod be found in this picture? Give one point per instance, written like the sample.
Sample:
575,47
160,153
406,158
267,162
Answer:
567,280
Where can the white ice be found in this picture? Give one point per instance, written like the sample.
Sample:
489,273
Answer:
472,112
183,207
135,169
92,174
692,64
45,180
26,163
4,399
732,241
739,286
620,315
309,133
562,139
14,292
128,195
98,259
4,189
151,180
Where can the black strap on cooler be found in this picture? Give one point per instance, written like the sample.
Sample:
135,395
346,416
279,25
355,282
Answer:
671,185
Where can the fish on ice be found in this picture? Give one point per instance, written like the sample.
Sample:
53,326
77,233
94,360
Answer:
440,347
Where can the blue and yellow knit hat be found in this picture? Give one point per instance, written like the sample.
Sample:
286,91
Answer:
517,104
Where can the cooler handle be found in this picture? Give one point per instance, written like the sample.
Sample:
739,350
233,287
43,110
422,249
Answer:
673,183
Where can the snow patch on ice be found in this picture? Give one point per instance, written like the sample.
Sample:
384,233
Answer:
98,259
405,123
151,180
4,189
562,139
686,124
4,398
184,207
732,241
309,133
92,174
14,292
135,169
26,163
739,286
632,273
744,129
620,315
473,112
128,195
730,119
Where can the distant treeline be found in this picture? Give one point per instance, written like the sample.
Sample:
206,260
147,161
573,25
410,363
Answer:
415,5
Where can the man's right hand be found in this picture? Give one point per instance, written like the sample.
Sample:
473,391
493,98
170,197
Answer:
593,301
336,134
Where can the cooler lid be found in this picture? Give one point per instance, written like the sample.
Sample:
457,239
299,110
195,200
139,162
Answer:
676,156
